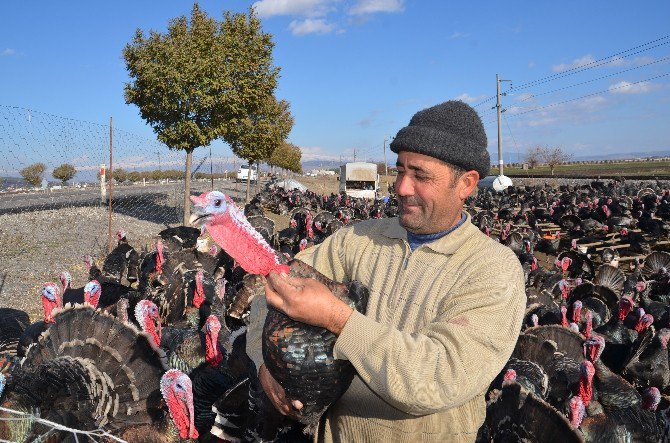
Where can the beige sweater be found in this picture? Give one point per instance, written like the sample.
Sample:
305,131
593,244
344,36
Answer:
441,323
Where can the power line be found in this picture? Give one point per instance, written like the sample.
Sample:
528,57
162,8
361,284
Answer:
514,140
493,97
595,79
596,63
590,95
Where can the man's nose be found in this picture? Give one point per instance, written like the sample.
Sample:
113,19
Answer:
404,186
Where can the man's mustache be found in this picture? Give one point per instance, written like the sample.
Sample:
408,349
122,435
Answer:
412,201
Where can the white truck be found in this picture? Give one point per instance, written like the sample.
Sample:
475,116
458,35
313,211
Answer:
359,179
243,174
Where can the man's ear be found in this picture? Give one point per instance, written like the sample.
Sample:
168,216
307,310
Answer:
467,183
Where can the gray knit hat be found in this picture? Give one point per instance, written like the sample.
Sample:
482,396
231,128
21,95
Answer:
451,132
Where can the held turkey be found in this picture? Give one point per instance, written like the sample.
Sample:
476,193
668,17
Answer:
299,356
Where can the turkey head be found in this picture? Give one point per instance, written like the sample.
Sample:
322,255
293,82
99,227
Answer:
146,314
177,392
50,300
229,228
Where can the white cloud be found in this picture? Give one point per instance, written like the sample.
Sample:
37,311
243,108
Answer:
524,97
8,52
591,104
531,64
589,60
311,26
374,6
370,118
577,112
643,60
576,63
467,98
316,153
617,61
305,8
624,87
458,35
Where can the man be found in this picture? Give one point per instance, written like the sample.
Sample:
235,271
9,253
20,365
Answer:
446,302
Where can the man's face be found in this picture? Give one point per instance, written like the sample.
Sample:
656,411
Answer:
428,201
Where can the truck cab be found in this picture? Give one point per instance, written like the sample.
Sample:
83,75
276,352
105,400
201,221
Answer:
359,179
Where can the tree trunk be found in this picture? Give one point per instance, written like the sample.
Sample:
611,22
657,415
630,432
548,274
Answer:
187,186
258,177
251,169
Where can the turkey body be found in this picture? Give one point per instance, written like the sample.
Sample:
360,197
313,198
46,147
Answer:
13,323
300,356
89,371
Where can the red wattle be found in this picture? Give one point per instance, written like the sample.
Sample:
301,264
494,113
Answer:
585,390
212,354
249,251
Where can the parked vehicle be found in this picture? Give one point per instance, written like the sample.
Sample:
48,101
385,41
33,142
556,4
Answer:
359,179
243,174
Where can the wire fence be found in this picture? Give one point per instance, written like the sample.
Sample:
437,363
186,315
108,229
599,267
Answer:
47,226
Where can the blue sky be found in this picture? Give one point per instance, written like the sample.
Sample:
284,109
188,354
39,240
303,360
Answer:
355,71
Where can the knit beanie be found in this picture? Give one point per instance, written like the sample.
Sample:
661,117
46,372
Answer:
451,132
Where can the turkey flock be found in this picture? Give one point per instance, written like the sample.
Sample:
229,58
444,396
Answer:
153,347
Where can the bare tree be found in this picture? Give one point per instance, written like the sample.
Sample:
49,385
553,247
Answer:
533,156
553,157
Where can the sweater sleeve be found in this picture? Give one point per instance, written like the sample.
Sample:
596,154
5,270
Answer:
450,360
328,256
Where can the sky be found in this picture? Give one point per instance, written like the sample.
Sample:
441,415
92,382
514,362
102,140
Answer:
590,77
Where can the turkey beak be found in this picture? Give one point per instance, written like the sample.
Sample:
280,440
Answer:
199,204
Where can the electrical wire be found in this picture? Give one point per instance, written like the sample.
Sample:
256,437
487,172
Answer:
597,63
531,96
590,95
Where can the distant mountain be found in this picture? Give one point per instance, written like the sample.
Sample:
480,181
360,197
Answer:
625,156
510,156
320,164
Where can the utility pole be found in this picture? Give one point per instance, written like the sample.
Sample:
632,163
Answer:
499,111
354,155
159,159
111,190
386,166
211,170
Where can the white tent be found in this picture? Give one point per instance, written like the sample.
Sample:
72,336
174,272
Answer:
290,184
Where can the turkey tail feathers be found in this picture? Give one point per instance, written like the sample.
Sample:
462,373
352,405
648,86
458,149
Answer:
611,278
121,365
656,262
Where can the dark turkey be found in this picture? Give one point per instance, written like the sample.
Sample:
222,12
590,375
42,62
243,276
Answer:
299,356
13,323
90,371
514,415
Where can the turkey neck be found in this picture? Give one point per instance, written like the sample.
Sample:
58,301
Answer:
213,355
151,329
49,306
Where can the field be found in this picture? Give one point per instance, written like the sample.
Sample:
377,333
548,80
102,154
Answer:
592,170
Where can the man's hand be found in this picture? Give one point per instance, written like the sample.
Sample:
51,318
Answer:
307,300
277,395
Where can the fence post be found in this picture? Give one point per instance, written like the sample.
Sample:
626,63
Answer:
111,190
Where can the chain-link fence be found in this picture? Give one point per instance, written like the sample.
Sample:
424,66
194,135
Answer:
52,215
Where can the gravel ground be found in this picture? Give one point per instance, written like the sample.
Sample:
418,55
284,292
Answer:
36,246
